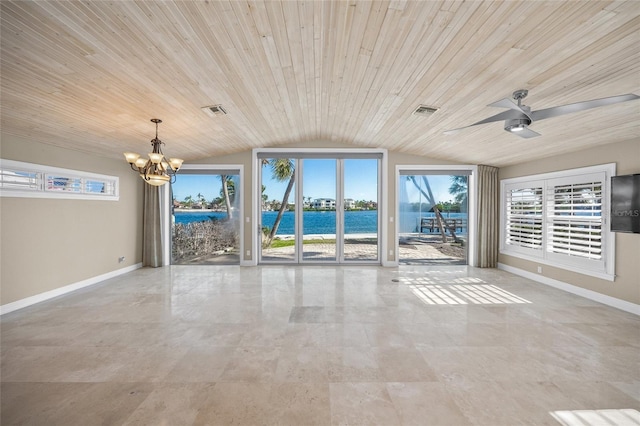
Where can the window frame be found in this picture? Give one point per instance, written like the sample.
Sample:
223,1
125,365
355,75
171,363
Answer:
603,268
521,248
45,178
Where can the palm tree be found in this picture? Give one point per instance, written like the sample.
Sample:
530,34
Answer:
265,197
429,196
188,200
281,170
226,180
459,190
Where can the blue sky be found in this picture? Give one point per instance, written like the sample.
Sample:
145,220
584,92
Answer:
319,182
439,186
207,185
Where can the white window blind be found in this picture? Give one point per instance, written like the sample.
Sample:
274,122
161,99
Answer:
574,216
20,179
560,219
524,217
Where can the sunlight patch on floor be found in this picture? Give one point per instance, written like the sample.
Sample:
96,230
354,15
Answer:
464,294
622,417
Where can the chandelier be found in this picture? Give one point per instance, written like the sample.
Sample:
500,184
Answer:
157,170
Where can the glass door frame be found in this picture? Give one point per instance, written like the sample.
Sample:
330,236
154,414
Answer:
471,194
381,235
300,164
166,201
320,153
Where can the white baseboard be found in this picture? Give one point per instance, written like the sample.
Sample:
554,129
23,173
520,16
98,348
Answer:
589,294
28,301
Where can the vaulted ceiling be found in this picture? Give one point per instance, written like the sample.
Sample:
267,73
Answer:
90,75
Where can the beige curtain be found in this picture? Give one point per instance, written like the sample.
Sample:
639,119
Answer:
151,227
488,216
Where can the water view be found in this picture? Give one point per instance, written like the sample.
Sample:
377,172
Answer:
315,222
323,222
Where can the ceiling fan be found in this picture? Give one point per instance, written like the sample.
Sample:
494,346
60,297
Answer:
518,117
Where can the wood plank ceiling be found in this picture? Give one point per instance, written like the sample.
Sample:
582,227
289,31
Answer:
89,75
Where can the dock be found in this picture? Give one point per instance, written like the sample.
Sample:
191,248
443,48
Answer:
430,223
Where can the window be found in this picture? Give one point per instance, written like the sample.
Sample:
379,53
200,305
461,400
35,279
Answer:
575,217
560,219
19,179
524,213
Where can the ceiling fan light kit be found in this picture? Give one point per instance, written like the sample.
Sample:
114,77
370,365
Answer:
516,124
157,170
518,117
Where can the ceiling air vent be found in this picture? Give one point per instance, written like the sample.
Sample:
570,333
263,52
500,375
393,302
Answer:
214,110
424,110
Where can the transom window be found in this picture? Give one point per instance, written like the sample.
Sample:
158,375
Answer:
20,179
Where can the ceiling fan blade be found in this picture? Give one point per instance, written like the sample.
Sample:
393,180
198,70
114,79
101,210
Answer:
541,114
526,133
505,115
508,103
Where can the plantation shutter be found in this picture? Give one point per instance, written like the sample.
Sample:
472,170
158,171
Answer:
574,216
560,219
524,217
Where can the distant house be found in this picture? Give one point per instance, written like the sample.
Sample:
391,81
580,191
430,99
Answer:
349,203
323,204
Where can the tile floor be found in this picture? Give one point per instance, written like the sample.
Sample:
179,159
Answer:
319,345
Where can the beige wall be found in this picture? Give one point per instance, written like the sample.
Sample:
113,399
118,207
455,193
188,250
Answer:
626,286
394,159
50,243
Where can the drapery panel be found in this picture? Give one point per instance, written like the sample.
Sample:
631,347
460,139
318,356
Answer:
151,227
488,216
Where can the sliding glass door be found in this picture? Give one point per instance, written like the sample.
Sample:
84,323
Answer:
330,214
433,217
361,219
205,218
278,210
320,209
